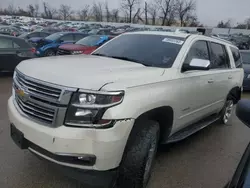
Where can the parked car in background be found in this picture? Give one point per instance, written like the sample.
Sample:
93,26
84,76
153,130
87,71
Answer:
49,45
86,31
8,30
49,30
13,50
101,31
36,34
84,46
245,54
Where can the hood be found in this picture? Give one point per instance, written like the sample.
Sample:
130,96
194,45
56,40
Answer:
86,71
246,68
75,47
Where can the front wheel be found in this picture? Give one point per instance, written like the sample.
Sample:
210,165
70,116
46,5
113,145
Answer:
227,111
49,52
138,158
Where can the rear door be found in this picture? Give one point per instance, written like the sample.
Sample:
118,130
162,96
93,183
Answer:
222,73
7,54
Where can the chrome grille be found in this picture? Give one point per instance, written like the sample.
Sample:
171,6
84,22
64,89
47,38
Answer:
37,88
63,52
38,112
40,101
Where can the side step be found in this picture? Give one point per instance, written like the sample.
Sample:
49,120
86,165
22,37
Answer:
189,130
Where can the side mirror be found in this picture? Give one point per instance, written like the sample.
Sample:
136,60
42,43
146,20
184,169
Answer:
197,64
243,111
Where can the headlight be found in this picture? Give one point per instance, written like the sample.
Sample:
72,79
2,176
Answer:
76,52
87,108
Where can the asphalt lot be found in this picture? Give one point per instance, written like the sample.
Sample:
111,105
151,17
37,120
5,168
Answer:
205,160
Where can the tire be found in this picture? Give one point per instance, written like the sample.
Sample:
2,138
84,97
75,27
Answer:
49,52
226,113
139,155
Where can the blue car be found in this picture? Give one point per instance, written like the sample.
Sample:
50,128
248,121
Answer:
48,46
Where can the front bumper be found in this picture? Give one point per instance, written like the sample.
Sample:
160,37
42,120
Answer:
107,145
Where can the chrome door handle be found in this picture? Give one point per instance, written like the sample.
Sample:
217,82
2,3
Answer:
230,77
210,81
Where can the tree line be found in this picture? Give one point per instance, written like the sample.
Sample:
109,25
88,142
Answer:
153,12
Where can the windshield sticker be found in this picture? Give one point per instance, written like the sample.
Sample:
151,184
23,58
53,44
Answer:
173,41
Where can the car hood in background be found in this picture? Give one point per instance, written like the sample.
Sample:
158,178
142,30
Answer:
75,47
86,71
246,67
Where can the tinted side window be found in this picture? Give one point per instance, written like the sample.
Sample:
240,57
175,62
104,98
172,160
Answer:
199,50
16,45
44,34
67,38
33,35
237,57
6,43
79,37
219,56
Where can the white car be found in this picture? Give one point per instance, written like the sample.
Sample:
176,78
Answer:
104,114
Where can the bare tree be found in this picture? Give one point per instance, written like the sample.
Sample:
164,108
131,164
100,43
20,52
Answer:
184,8
146,12
115,15
84,13
129,5
167,8
11,9
108,14
152,11
36,9
247,21
97,11
65,11
31,10
49,12
137,16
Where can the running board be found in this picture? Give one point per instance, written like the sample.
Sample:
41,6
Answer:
189,130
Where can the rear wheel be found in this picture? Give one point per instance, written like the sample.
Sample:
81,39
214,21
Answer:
138,158
49,52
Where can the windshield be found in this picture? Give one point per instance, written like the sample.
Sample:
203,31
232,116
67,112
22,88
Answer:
149,50
93,31
245,57
89,41
54,36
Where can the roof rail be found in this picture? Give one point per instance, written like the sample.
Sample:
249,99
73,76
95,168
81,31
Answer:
205,31
218,38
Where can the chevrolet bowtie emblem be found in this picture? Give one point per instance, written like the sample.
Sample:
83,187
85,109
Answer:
22,94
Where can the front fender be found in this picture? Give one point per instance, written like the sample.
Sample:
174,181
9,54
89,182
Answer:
49,46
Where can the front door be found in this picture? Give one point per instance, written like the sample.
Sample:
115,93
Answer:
197,88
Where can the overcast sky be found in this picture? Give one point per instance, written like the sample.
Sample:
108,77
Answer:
209,12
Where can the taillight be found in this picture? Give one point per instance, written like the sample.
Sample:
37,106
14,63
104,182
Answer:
33,50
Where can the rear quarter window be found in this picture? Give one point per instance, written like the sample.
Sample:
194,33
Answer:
237,57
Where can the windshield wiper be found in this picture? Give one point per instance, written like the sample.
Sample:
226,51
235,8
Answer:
97,54
123,58
129,59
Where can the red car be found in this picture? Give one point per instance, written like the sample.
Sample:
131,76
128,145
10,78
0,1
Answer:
84,46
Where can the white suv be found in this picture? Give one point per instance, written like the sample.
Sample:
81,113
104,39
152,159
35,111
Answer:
104,114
